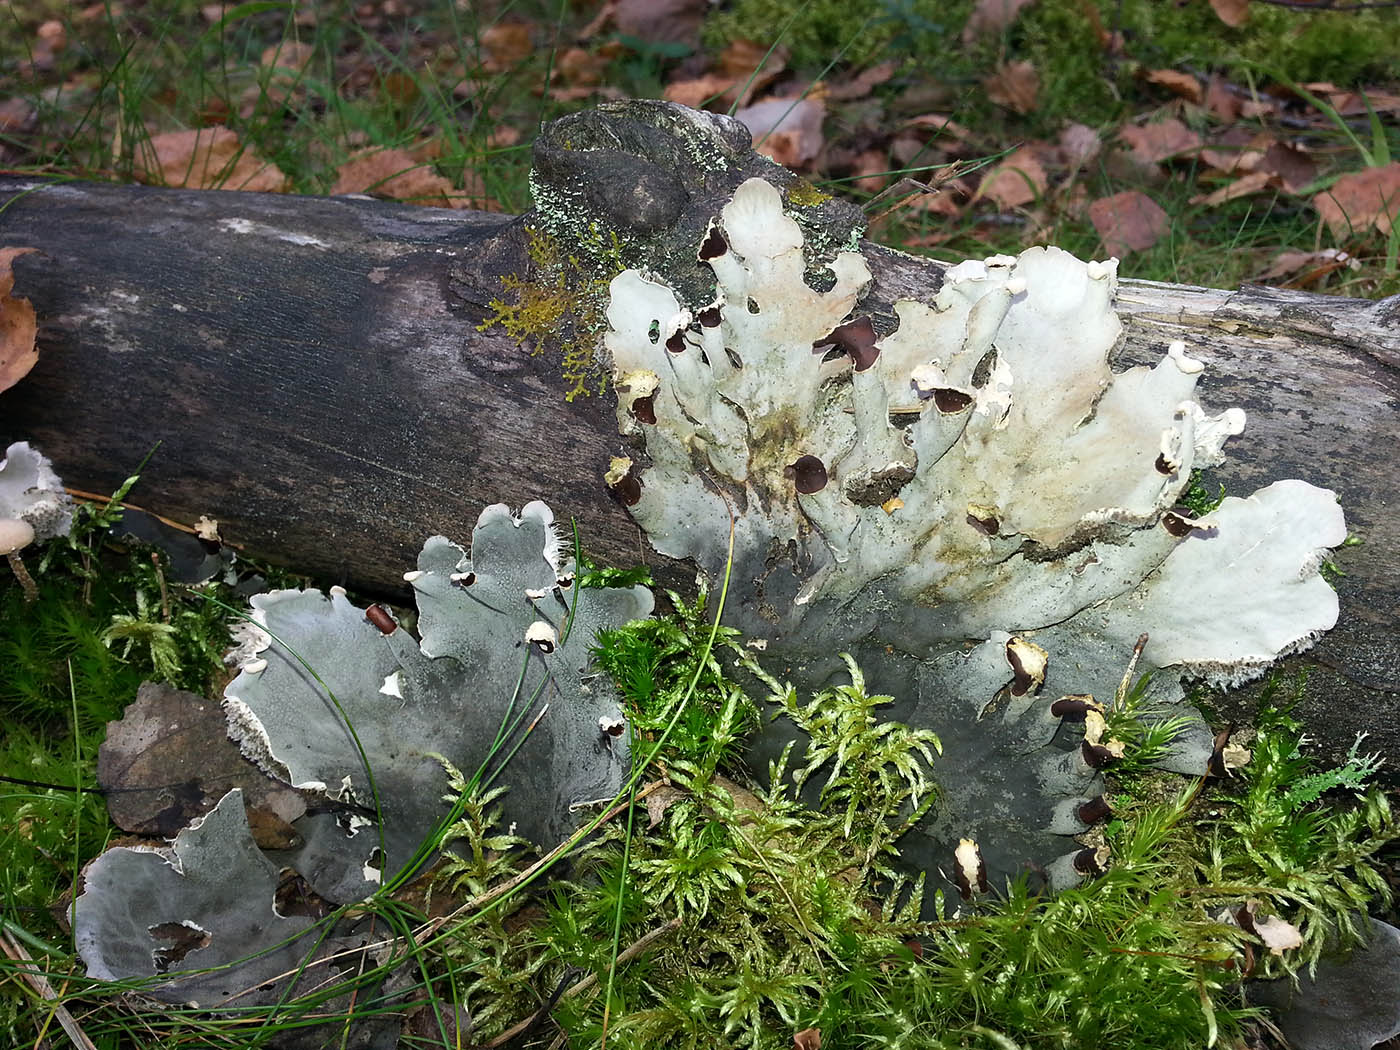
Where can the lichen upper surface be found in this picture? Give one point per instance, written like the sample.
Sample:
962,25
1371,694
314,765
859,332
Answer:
330,698
31,490
979,473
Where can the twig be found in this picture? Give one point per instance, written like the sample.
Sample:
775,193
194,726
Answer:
627,954
36,980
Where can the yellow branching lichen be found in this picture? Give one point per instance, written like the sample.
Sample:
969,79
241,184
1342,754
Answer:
560,305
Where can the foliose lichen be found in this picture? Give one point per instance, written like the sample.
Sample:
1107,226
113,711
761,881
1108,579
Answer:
975,502
344,704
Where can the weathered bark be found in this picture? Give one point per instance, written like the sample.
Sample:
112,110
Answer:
317,378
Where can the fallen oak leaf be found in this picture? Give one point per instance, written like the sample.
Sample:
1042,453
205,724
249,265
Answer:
1361,200
397,174
660,21
1294,168
1249,184
860,85
18,325
1234,13
787,130
1014,86
1309,267
1178,83
206,159
1128,222
1079,144
507,44
991,16
1016,181
1163,140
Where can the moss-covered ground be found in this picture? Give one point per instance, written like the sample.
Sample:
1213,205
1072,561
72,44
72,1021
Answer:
704,910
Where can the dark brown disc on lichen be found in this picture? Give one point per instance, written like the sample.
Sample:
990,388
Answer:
713,246
1178,524
379,616
1096,756
856,339
1074,707
628,489
1095,810
985,524
644,409
1024,678
675,342
709,316
1215,765
1163,466
949,401
809,474
1091,861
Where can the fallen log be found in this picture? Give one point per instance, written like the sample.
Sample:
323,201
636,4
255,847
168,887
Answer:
319,375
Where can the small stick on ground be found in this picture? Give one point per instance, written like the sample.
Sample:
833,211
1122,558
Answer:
36,980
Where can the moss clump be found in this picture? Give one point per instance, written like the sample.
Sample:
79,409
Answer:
802,194
814,33
561,306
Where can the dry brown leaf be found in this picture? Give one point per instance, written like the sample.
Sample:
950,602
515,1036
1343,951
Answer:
860,85
1355,104
53,36
577,94
1016,181
474,194
869,171
946,199
1153,143
1220,100
102,10
288,54
1241,187
578,68
169,760
1128,222
1236,150
787,130
16,115
18,325
1363,199
1309,267
507,44
941,123
991,16
1178,83
206,159
660,21
1014,85
744,69
807,1039
1294,168
741,58
1234,13
1079,144
398,174
661,796
711,89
